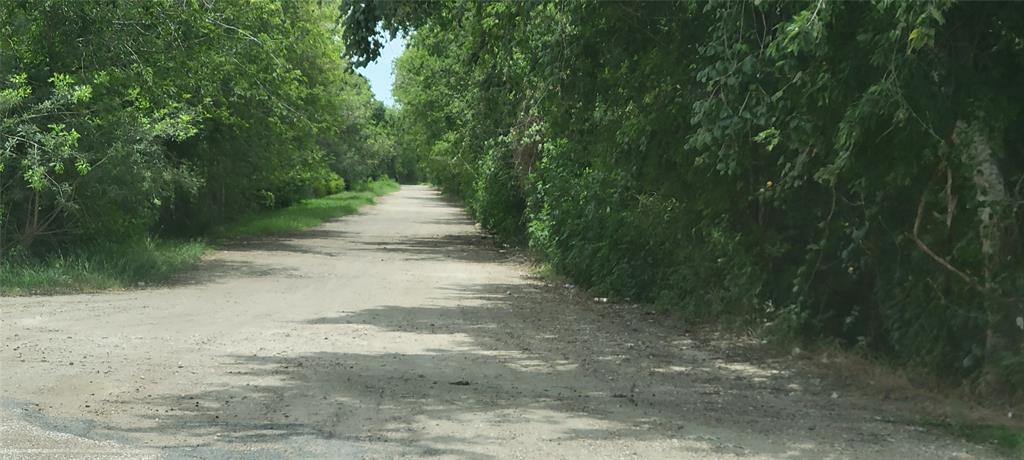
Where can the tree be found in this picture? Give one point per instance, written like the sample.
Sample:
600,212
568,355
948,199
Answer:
837,171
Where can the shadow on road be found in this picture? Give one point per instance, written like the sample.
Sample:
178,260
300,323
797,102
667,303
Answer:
583,379
462,247
216,270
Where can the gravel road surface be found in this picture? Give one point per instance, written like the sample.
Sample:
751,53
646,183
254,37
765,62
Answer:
404,332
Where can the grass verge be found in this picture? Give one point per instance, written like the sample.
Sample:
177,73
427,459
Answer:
106,266
307,213
1006,439
937,406
152,260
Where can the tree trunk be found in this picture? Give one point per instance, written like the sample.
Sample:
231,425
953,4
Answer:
980,151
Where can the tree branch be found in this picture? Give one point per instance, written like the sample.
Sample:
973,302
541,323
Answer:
941,260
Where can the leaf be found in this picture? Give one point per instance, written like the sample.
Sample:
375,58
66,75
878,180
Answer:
919,38
769,137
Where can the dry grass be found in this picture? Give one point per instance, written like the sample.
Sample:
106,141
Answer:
929,400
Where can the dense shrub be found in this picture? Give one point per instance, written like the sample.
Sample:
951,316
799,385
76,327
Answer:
841,171
498,199
120,119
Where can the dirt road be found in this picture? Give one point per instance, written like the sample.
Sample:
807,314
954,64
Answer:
401,332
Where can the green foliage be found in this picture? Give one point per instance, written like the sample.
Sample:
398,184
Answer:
306,213
498,202
328,184
102,266
834,171
118,265
1007,439
122,120
378,187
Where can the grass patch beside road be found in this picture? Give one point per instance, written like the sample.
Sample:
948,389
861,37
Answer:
100,267
1005,438
305,214
152,260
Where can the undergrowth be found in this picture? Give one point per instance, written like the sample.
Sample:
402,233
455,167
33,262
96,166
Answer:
98,267
153,260
307,213
1004,438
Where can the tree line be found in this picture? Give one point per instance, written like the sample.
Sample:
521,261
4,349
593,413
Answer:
848,172
125,119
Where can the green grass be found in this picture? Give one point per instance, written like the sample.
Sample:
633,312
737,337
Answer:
379,187
1007,439
124,265
107,266
308,213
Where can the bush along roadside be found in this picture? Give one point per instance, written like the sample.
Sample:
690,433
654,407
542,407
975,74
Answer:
844,172
114,129
307,213
152,260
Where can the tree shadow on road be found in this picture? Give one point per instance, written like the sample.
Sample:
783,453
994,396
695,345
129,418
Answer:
301,242
497,358
212,271
464,247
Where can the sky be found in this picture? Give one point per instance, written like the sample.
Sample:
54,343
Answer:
381,72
